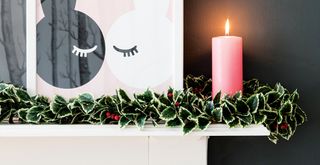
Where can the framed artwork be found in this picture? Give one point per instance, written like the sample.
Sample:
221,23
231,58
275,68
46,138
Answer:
99,46
13,42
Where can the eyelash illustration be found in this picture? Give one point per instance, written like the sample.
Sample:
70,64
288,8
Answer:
83,52
127,52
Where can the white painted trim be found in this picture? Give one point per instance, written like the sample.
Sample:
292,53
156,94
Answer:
178,44
115,131
31,41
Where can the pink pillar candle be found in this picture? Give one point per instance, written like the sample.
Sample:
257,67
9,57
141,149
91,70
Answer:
227,71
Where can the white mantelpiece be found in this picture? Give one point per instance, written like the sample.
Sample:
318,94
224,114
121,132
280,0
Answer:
107,144
114,131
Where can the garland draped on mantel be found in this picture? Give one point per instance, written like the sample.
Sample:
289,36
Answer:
193,108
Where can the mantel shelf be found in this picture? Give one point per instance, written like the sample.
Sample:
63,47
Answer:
114,130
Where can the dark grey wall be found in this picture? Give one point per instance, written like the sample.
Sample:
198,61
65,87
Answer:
281,44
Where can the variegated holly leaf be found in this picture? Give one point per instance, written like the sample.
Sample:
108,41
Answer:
174,122
253,103
189,126
141,120
124,121
168,114
203,122
34,114
217,114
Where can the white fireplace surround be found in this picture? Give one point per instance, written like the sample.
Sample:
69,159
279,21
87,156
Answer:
109,144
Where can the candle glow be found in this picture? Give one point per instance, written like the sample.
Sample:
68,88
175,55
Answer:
227,27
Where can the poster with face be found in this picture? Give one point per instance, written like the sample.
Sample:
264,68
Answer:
98,46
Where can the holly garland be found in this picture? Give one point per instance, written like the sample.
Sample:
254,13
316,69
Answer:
193,108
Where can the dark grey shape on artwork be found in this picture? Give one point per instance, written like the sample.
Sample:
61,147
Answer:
127,52
13,44
64,37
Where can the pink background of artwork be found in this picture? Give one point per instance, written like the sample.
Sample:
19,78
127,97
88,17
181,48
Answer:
104,83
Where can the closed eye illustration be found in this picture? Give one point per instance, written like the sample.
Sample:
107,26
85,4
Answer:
127,52
83,52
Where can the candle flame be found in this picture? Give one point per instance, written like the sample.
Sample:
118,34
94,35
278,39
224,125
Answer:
227,27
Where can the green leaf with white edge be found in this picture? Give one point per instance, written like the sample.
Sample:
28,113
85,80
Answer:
34,114
193,99
271,115
243,124
273,138
227,115
177,96
10,91
57,103
156,102
203,122
140,121
259,119
264,89
234,123
217,114
136,104
86,97
164,100
285,133
86,102
103,116
96,114
295,96
148,95
209,107
40,100
238,95
168,114
3,86
124,121
272,96
129,110
217,98
300,119
286,108
64,112
232,107
253,103
184,113
280,89
123,96
59,100
293,124
7,101
131,117
174,123
23,96
22,114
189,126
242,108
152,111
110,101
49,115
4,114
247,120
262,101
